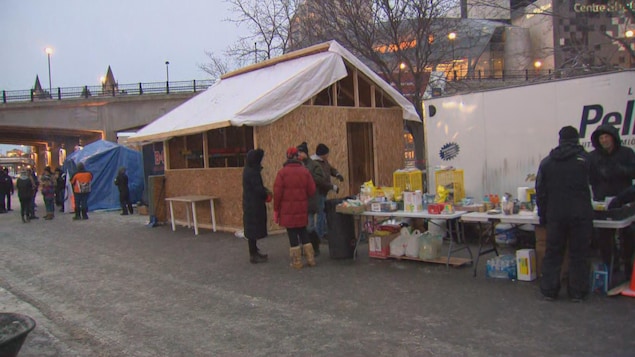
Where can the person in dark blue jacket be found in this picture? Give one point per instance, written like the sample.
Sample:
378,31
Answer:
564,205
121,181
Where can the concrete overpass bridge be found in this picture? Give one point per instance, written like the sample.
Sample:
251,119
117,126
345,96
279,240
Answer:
50,124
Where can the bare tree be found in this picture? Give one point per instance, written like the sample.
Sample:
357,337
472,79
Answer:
395,37
269,22
217,66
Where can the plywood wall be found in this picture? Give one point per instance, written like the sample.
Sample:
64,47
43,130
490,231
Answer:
313,124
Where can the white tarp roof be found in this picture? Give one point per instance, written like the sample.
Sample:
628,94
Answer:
262,96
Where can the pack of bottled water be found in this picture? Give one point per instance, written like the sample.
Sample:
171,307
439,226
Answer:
502,267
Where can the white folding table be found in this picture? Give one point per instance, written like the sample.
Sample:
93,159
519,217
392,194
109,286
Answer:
517,219
190,201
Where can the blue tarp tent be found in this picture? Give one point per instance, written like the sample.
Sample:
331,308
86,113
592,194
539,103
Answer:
103,159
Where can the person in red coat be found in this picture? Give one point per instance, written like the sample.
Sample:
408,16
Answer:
291,191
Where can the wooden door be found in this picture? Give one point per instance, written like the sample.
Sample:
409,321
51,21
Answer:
361,158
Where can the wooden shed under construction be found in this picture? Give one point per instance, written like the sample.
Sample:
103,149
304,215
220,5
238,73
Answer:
321,94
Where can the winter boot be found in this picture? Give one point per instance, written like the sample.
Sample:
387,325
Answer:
309,254
254,256
315,242
261,255
296,257
77,215
84,213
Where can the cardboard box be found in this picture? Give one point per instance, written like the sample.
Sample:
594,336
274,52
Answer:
379,246
383,206
413,201
526,264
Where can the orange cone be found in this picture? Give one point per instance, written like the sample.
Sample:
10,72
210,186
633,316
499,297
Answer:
630,291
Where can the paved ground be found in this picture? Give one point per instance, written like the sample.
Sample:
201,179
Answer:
111,286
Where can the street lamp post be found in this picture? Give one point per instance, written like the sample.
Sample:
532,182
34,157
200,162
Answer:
167,76
401,68
49,51
452,37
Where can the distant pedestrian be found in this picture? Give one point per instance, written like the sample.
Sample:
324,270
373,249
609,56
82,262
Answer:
564,204
48,192
25,188
291,191
11,189
6,190
255,196
81,182
60,188
121,181
36,185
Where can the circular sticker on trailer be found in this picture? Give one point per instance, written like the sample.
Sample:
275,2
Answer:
449,151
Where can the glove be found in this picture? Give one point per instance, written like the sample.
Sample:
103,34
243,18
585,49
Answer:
276,217
336,189
340,177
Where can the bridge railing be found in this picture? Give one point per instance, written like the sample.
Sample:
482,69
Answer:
31,95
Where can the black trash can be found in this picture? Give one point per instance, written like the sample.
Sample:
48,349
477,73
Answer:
13,331
341,231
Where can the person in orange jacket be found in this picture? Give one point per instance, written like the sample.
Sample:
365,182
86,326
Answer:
81,182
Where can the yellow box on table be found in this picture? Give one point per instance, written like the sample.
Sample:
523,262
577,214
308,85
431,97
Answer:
407,180
453,181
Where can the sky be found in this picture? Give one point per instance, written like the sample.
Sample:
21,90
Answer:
134,37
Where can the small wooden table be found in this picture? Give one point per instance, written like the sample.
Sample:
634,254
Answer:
191,201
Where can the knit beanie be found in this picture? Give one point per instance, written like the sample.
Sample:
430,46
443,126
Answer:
304,148
569,133
292,153
321,149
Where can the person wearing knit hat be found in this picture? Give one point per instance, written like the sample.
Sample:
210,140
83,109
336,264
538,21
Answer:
321,150
321,182
569,133
292,153
292,189
564,206
612,173
321,157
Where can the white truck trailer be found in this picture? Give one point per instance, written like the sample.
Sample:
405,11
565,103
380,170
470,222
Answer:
498,137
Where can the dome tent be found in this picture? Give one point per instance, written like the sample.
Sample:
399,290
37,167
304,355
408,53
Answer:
103,159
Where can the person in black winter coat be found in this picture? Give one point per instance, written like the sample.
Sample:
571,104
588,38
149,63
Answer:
564,205
255,196
26,188
124,192
612,173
